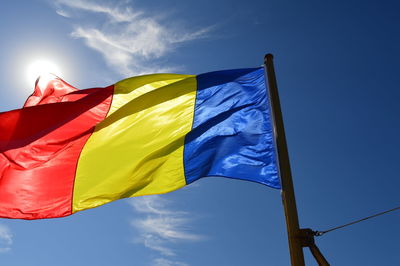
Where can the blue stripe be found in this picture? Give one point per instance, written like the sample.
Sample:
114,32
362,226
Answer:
232,132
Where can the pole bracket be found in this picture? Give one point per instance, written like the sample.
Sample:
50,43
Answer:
307,240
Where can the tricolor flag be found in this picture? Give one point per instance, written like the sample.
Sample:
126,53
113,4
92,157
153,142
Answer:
69,150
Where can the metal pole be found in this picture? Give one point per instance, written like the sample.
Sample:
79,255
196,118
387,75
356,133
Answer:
288,198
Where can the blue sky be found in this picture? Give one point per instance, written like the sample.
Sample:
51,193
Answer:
338,74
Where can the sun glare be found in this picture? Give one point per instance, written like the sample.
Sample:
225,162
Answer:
42,67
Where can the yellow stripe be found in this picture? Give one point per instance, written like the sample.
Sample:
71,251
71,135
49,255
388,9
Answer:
138,149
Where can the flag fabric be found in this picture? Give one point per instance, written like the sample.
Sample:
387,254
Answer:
68,150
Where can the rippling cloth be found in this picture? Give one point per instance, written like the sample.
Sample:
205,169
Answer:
68,150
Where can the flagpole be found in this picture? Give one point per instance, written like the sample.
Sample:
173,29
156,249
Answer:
288,197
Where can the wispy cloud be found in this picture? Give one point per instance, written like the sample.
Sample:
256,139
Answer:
161,227
5,238
165,262
115,13
62,13
130,41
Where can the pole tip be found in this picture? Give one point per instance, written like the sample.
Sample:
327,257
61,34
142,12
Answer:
268,56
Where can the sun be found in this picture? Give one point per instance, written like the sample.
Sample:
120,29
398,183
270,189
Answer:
42,67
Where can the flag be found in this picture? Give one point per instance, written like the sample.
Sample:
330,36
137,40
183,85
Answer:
69,150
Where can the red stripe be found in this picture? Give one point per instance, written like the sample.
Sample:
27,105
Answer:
39,150
50,89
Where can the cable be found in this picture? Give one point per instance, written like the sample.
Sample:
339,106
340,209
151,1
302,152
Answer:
320,233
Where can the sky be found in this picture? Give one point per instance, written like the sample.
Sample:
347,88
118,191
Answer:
337,66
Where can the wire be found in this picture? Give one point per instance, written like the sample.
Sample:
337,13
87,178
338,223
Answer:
320,233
